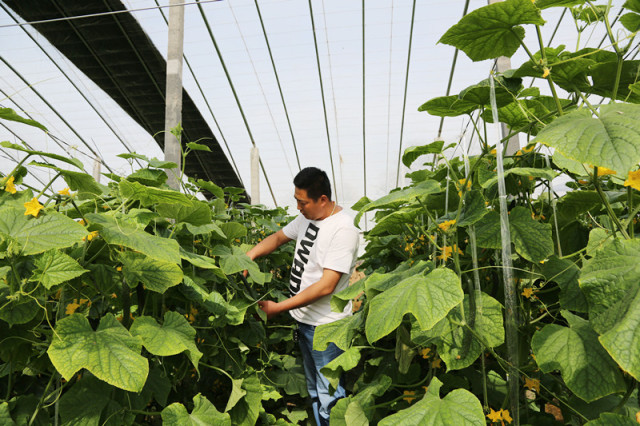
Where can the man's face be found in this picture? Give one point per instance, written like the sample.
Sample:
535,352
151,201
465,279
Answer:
309,208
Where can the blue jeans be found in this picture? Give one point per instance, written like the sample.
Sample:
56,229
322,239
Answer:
317,384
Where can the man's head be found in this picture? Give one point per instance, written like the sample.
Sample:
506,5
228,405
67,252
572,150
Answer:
313,193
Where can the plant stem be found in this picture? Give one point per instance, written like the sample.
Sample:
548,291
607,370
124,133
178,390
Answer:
630,208
607,205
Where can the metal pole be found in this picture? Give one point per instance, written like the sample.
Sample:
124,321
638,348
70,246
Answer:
173,108
255,175
96,169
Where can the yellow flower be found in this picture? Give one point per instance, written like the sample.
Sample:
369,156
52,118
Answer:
633,180
528,149
603,171
9,186
527,292
82,222
505,416
65,192
71,307
119,269
494,416
90,236
493,151
532,384
409,398
425,353
545,72
444,226
436,363
447,250
33,207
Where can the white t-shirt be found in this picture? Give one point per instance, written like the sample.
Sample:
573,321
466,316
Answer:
331,243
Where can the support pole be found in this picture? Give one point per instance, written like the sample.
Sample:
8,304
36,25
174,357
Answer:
173,107
255,175
96,169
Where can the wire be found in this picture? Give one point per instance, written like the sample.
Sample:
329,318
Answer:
364,120
235,95
324,105
93,15
273,65
386,176
406,84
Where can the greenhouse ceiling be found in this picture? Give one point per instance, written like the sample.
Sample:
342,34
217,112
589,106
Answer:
329,83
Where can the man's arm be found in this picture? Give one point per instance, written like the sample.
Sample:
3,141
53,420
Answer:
325,286
268,245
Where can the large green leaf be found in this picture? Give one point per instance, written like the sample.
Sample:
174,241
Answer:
429,298
16,308
494,30
149,196
611,419
73,161
54,267
565,273
379,282
203,413
488,231
400,197
11,115
546,174
603,84
234,260
610,140
156,275
633,5
83,404
448,106
506,90
211,187
246,411
5,415
148,177
110,353
609,280
457,346
174,336
120,232
412,153
346,361
395,222
473,209
77,181
543,4
342,298
37,235
200,261
342,415
340,332
459,407
196,213
585,366
532,239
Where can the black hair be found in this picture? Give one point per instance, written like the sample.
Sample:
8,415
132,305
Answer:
314,181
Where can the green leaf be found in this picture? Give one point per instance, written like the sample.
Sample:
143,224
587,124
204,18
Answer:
246,411
149,196
603,84
506,90
532,239
364,398
198,147
605,141
379,282
200,261
399,197
346,361
575,203
598,238
235,260
631,21
174,336
395,222
77,181
206,230
340,300
360,203
204,413
412,153
428,298
161,164
110,353
84,402
547,174
73,161
148,177
233,230
5,415
15,308
587,369
196,213
340,332
211,187
611,419
488,231
633,5
494,30
457,346
37,235
448,106
156,275
543,4
54,267
289,376
236,393
459,407
120,232
565,273
473,209
11,115
609,280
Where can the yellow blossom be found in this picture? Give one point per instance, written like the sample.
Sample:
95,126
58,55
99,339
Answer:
425,353
408,396
65,192
528,149
9,186
444,226
90,236
119,269
532,384
436,363
82,222
33,207
527,292
71,307
603,171
545,72
447,250
114,296
494,416
505,416
493,151
633,180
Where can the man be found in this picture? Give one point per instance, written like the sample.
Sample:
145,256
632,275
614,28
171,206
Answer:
324,258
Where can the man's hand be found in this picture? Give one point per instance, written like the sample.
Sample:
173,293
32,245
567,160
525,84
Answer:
270,308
